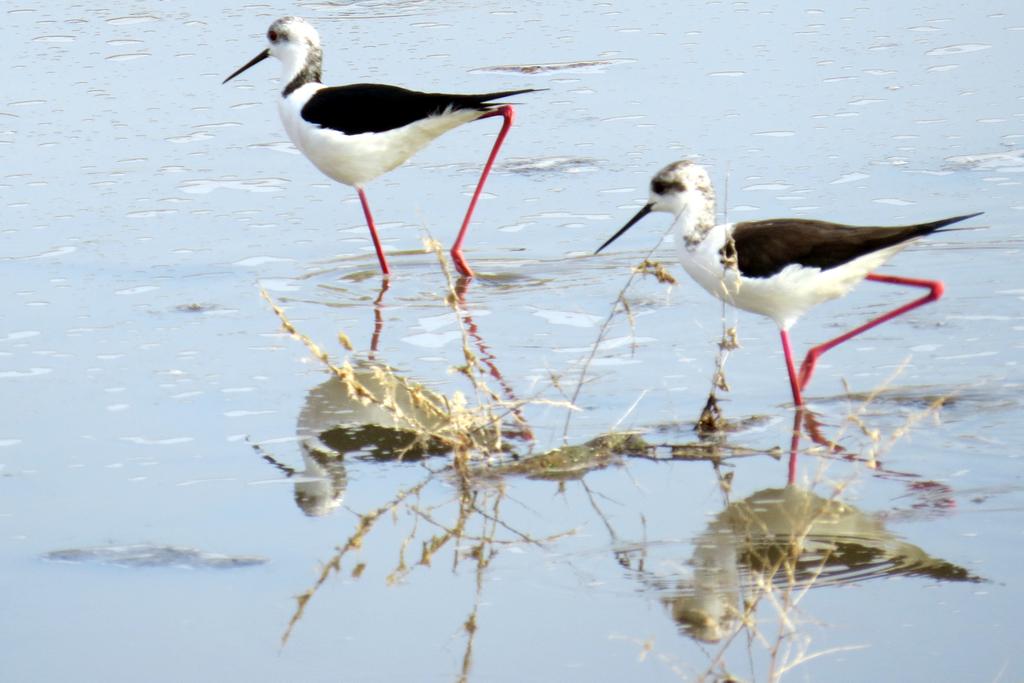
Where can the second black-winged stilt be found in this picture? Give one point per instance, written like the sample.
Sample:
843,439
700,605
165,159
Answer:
782,267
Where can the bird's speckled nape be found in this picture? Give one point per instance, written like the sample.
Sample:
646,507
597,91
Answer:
684,189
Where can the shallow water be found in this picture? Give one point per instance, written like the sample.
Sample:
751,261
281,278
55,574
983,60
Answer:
152,398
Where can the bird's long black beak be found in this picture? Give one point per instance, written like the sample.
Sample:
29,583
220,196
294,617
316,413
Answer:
253,62
632,221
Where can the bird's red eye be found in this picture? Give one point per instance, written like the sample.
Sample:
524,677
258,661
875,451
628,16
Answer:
272,36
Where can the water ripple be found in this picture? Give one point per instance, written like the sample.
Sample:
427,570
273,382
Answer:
200,186
957,49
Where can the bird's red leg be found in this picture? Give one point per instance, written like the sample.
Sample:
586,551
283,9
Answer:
373,232
935,289
798,399
509,114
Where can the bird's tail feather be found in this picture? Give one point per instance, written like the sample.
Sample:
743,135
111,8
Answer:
485,101
927,228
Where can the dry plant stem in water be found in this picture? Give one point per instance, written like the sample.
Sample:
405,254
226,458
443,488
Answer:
645,267
462,428
877,447
711,420
354,542
473,506
789,649
483,553
782,582
783,579
778,584
496,408
466,430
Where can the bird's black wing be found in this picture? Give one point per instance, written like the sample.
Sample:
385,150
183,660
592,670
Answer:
763,248
373,108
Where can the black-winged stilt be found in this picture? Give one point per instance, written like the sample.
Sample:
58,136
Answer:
354,133
781,267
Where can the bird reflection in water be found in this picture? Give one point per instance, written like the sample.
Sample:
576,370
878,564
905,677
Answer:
333,424
484,355
381,415
787,538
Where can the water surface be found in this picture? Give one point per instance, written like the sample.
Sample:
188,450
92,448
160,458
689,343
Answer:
152,398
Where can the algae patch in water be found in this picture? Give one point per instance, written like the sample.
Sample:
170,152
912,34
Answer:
146,555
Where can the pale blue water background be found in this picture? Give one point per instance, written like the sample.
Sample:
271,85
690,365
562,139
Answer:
133,184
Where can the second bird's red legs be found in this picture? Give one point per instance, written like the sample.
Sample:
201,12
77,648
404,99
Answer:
798,399
507,112
935,290
798,382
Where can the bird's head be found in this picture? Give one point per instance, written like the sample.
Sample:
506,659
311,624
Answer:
296,43
681,187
